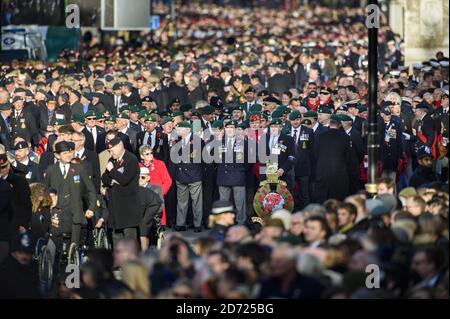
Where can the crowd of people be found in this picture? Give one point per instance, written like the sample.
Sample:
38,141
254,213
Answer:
94,141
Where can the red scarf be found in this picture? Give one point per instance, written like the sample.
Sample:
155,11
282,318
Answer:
312,107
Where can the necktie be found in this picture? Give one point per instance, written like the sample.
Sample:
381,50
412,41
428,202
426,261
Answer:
150,140
230,144
295,136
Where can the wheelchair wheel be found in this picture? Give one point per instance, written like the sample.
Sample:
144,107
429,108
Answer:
101,240
73,257
45,265
38,249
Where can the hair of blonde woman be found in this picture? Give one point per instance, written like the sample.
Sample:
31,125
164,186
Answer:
135,276
40,196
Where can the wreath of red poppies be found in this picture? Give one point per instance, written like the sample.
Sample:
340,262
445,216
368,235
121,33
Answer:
266,200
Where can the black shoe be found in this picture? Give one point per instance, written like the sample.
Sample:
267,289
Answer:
180,228
197,229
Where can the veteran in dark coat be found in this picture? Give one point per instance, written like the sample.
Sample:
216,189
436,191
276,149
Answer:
332,152
122,181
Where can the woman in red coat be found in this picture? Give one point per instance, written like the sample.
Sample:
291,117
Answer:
158,173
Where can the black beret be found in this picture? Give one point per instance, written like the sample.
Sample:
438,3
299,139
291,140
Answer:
64,146
5,106
21,145
115,141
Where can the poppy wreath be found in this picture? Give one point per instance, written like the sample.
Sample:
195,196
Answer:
268,200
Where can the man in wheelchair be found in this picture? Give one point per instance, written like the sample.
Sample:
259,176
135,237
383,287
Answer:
152,204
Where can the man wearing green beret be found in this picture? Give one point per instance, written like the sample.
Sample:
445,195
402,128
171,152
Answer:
324,115
122,125
186,157
134,119
250,100
303,137
125,109
280,150
92,127
315,125
142,115
154,137
237,114
232,167
177,117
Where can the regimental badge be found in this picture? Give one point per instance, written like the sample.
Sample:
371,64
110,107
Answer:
238,156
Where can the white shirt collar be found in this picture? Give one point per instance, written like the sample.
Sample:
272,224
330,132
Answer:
315,126
26,162
348,130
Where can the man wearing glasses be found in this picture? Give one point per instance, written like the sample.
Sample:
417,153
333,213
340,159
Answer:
92,127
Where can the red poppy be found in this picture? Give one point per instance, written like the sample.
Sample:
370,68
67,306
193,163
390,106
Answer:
72,170
158,135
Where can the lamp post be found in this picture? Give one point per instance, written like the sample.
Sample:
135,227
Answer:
372,145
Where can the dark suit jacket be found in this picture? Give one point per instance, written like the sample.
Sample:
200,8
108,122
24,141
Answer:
25,125
286,158
304,153
161,147
133,99
190,170
320,129
233,164
150,205
5,134
21,201
89,139
47,159
72,189
6,196
34,173
358,123
123,196
90,158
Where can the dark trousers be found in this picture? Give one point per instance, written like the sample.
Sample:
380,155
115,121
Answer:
208,189
301,196
171,205
124,233
76,233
